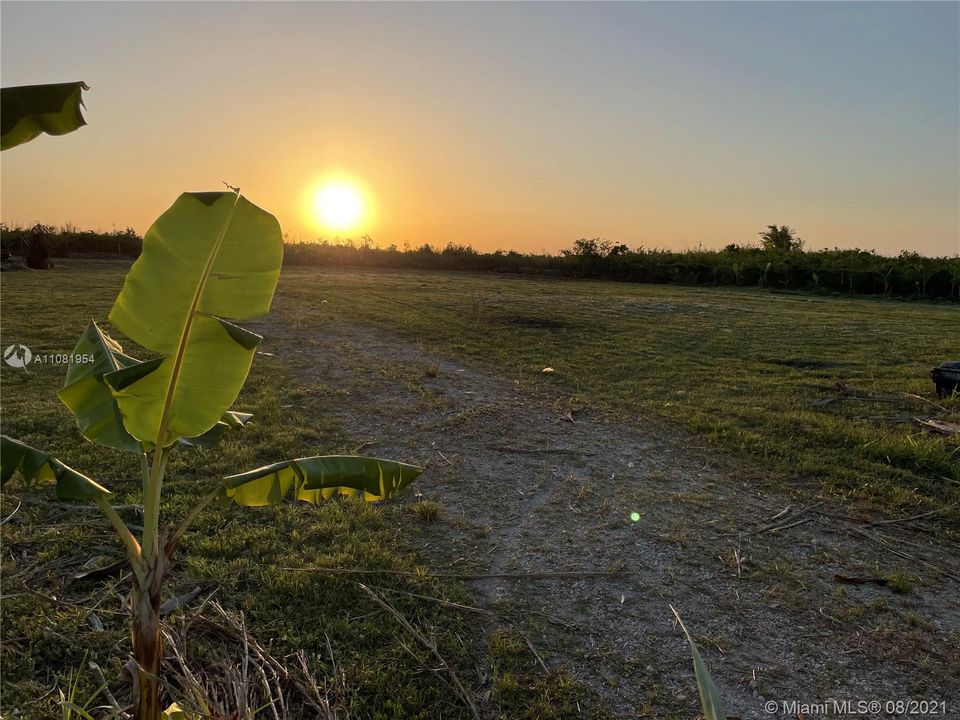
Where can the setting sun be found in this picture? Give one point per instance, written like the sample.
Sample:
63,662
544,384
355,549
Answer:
337,206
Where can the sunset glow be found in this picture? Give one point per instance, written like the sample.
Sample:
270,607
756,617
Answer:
693,138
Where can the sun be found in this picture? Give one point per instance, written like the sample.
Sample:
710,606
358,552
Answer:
337,206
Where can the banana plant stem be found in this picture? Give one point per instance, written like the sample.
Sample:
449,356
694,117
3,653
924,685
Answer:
151,506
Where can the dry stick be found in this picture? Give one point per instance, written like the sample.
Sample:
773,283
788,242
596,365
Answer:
269,688
439,601
443,456
310,690
855,394
333,659
98,674
900,553
543,575
780,514
534,451
470,608
929,402
7,518
184,668
780,525
785,527
489,576
906,519
546,670
427,643
339,676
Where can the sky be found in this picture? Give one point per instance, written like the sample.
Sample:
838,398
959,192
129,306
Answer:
506,125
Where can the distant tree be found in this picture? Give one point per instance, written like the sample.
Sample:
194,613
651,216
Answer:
595,248
37,250
584,248
780,238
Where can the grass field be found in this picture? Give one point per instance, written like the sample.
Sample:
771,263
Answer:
747,370
742,370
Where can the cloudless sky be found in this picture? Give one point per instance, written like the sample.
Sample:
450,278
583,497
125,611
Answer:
510,125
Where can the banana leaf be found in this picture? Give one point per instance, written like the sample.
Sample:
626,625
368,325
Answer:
709,696
231,420
209,259
35,465
29,110
89,398
319,478
93,404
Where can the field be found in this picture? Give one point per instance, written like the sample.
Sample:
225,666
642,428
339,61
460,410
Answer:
749,457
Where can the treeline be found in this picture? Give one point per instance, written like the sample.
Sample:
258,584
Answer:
858,272
68,241
788,267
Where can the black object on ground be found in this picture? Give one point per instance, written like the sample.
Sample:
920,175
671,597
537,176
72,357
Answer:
946,378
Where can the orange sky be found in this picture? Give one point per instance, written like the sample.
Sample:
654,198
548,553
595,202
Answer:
520,126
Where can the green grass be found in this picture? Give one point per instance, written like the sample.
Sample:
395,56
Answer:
742,369
426,510
256,560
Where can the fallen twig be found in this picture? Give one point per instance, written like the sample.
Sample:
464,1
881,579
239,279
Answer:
906,519
7,518
427,643
546,670
543,575
439,601
899,553
535,451
785,523
102,682
939,407
937,427
467,576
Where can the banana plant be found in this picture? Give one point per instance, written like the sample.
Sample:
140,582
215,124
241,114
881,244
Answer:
210,261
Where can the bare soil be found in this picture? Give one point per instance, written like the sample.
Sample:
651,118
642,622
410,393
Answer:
530,484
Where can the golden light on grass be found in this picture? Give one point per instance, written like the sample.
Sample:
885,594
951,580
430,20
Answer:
337,205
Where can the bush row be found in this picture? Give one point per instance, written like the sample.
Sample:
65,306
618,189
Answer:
68,241
858,272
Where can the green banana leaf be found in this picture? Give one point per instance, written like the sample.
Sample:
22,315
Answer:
315,479
709,696
37,465
89,398
231,420
209,258
91,401
29,110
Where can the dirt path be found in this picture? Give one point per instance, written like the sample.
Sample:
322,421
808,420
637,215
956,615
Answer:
525,490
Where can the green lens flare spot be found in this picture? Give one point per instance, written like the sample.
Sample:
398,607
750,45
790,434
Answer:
635,516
